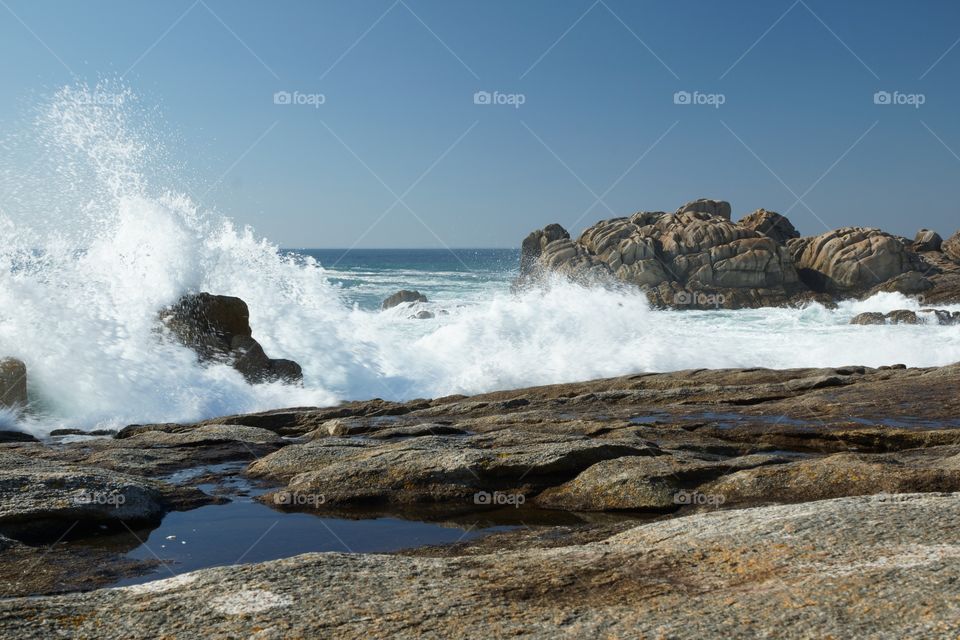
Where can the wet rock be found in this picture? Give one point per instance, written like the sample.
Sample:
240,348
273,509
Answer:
39,498
927,240
882,566
835,476
443,468
905,316
153,452
403,297
869,317
770,224
217,328
422,315
644,483
15,436
295,459
13,383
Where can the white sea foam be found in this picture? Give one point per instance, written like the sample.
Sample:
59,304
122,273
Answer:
93,248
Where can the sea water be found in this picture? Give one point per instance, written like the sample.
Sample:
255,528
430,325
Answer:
93,243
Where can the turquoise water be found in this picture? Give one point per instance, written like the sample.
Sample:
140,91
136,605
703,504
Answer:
450,277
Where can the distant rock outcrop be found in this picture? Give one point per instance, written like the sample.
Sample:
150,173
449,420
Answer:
218,328
699,257
403,297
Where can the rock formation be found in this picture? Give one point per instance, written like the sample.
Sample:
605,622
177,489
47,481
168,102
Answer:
403,297
218,329
698,256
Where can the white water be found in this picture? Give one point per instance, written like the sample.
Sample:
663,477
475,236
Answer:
90,249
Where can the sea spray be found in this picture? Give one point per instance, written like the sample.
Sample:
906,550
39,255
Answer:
96,238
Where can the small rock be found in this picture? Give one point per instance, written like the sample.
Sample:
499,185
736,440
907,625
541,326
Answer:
401,297
422,315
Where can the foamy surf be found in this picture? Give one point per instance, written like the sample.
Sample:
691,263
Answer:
98,245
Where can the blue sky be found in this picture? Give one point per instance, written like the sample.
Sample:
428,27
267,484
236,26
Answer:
399,154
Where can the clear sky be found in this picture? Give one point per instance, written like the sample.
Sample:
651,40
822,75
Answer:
400,155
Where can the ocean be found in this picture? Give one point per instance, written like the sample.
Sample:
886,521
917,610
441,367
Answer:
97,245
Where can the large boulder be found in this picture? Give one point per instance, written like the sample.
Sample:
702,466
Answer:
719,208
851,260
402,297
951,247
681,258
927,240
218,329
770,224
13,383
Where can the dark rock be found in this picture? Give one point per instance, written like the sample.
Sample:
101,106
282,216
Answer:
218,329
770,224
905,316
422,315
927,240
403,297
15,436
13,383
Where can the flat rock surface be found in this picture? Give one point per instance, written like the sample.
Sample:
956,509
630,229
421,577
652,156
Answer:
880,566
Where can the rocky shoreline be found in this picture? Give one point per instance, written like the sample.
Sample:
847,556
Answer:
698,257
787,503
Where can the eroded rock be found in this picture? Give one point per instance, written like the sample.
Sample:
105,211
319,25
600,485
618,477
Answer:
217,328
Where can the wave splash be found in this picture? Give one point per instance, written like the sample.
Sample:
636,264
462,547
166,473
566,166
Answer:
94,245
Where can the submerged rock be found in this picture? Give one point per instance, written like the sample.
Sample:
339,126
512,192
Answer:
13,383
403,297
905,316
218,328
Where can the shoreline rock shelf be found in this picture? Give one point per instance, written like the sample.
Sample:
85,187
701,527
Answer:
754,485
699,254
